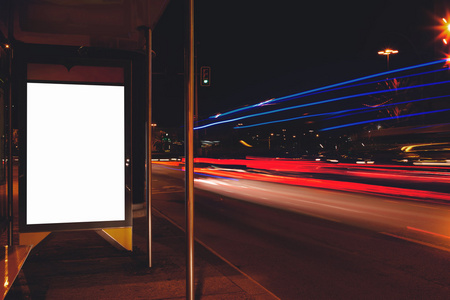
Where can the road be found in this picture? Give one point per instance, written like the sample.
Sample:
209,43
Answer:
309,243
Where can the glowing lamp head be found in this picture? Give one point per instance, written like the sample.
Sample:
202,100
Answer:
388,52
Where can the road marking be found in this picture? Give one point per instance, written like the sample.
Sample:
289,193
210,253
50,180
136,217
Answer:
392,201
410,204
167,192
428,232
168,189
416,241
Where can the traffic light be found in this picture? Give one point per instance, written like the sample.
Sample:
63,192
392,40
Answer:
205,76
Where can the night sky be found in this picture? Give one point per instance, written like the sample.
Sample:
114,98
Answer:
258,50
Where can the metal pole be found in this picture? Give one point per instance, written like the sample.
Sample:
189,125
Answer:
10,155
149,143
387,62
188,149
196,80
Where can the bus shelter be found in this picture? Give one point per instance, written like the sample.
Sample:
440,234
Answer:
76,95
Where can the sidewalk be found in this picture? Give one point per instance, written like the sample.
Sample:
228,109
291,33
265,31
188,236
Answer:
82,265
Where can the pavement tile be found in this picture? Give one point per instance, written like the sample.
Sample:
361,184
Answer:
82,265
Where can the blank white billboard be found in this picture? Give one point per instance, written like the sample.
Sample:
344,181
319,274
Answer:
75,167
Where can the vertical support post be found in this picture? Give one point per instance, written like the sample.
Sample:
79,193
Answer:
10,21
149,144
10,155
196,117
387,62
189,148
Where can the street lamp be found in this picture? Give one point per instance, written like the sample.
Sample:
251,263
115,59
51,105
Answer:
446,36
387,52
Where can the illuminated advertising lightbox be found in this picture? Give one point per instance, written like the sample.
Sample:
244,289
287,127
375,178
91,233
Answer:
75,153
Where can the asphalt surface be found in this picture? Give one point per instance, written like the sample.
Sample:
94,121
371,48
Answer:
299,256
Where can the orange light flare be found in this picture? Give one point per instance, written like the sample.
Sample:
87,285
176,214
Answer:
444,30
447,63
446,24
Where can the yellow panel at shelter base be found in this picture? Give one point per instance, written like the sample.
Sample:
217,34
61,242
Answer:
32,238
122,236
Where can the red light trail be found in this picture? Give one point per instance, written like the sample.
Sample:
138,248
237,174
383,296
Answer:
293,168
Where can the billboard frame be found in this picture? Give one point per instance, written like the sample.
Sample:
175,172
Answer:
88,64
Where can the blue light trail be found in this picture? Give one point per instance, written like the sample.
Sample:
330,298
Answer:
348,111
384,119
369,109
325,88
289,119
355,85
317,103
